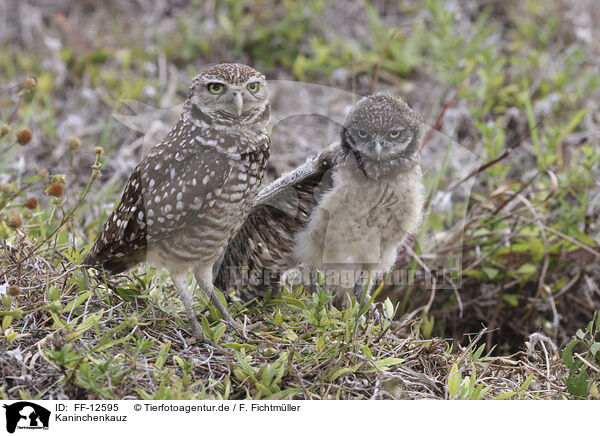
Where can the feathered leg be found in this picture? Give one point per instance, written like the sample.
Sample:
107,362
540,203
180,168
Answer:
361,291
363,296
205,282
183,291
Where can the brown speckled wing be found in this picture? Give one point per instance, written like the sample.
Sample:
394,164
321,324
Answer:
262,249
111,249
165,194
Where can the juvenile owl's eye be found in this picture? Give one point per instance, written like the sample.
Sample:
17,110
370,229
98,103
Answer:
252,87
395,133
361,134
216,88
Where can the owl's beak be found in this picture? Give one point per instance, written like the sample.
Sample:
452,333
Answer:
238,102
378,149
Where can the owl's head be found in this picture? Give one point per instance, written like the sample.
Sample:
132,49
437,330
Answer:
381,129
229,93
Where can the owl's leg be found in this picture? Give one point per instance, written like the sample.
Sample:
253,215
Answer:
183,291
361,291
363,295
313,280
209,290
207,287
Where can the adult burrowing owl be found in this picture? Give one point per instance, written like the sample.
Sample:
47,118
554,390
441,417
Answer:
345,212
193,190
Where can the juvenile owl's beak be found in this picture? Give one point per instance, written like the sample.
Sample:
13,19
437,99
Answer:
378,149
238,102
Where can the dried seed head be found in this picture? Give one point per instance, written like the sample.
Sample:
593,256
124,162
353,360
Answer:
14,220
30,83
14,290
73,143
56,189
59,178
5,130
31,203
24,136
99,151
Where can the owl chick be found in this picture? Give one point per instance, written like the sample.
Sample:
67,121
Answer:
194,189
376,199
345,212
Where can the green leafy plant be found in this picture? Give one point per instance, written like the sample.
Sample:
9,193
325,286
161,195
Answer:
583,379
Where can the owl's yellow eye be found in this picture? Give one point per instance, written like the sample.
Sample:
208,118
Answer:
395,133
253,87
216,88
361,134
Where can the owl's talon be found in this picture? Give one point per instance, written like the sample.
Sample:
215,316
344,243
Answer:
375,315
199,337
371,313
244,328
253,326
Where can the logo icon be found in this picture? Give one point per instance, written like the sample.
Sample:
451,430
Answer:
26,415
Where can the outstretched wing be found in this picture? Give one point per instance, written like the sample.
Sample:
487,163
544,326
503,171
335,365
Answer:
262,248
